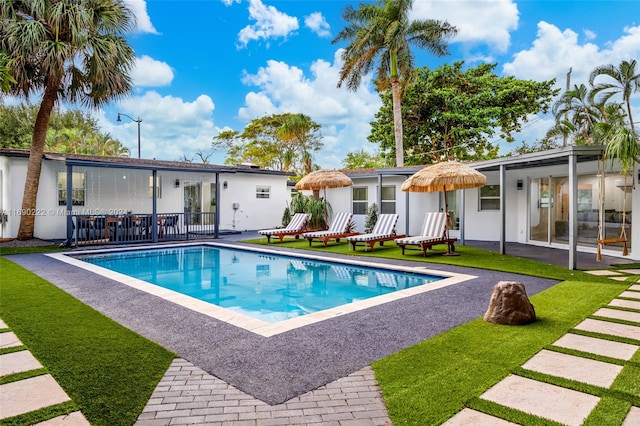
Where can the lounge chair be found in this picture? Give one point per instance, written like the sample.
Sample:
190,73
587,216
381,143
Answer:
297,225
434,231
339,228
383,230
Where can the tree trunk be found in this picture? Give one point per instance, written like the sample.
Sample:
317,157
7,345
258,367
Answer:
27,218
397,121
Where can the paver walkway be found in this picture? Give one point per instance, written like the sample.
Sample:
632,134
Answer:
187,394
33,393
557,403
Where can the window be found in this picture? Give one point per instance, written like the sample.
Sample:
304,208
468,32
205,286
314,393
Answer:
158,186
388,200
78,188
263,191
490,197
360,200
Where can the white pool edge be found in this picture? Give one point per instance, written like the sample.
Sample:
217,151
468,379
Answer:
253,325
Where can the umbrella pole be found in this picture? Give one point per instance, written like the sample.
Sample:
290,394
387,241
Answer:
446,212
326,212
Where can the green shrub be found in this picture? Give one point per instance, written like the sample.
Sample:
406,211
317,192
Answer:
372,218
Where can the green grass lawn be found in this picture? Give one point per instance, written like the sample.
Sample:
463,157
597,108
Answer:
106,369
110,372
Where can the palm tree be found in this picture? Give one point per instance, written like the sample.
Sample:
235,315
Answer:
65,50
575,115
5,75
622,142
383,33
626,81
104,144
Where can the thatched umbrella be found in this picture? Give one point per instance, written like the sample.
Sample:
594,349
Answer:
323,179
445,176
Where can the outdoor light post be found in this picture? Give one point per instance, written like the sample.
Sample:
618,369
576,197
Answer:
136,121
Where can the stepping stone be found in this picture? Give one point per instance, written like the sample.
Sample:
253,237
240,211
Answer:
596,346
72,419
611,328
635,287
17,362
2,324
542,399
631,304
633,418
619,278
630,294
31,394
630,271
618,314
468,417
572,367
603,272
9,340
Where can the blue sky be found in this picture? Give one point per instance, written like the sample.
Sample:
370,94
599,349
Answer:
211,65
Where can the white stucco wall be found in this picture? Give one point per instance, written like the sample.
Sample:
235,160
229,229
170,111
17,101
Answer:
253,213
119,190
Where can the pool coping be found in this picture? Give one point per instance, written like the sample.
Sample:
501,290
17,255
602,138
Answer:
259,327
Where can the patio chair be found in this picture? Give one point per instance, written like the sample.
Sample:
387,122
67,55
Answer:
100,229
341,227
434,231
383,230
171,222
297,225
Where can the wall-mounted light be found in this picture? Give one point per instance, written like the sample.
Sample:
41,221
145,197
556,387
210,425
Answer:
177,183
519,184
225,184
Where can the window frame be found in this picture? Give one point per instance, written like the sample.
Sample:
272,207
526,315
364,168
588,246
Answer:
488,198
62,189
362,204
263,192
386,203
158,187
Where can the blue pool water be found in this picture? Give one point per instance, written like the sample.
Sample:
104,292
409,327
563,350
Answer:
268,287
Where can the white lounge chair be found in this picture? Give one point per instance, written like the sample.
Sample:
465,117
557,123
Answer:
434,231
297,225
383,230
339,228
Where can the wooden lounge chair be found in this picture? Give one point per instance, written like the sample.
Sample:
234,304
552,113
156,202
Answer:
434,231
339,228
297,225
383,230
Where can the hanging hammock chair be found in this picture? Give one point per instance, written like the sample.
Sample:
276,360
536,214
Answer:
602,240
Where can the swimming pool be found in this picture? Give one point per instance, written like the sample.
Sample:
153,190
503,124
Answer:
263,291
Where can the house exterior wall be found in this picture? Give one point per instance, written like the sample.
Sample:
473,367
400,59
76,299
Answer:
253,213
121,190
341,199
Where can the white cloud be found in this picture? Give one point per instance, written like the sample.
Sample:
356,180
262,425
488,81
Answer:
171,127
270,23
479,22
318,24
143,21
343,115
555,51
151,73
589,35
230,2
